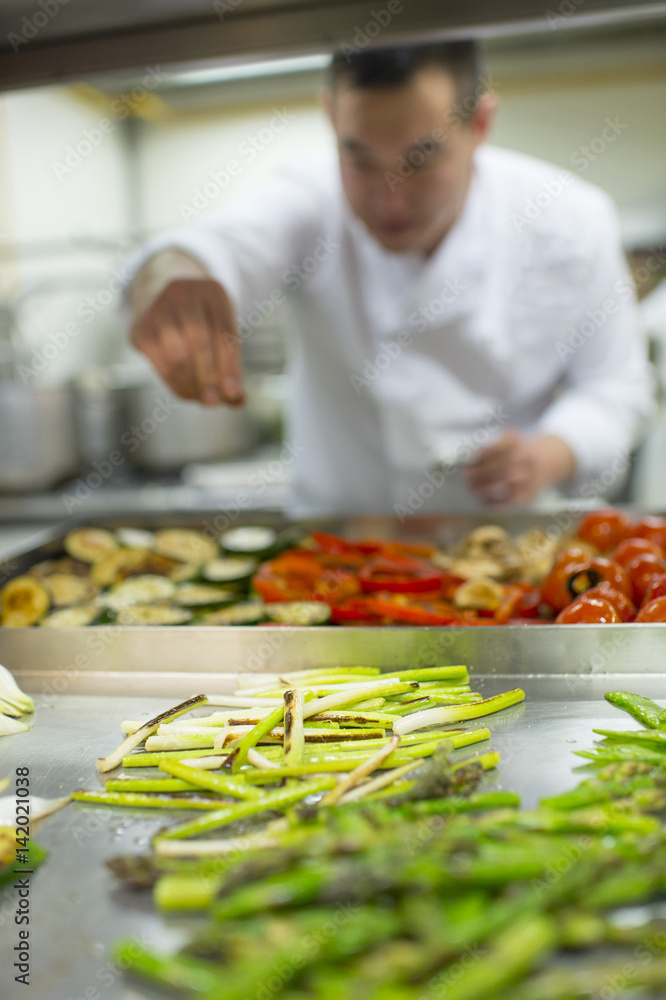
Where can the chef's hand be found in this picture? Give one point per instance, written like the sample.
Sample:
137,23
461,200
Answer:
189,334
515,468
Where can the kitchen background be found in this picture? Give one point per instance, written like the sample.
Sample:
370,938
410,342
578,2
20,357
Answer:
91,169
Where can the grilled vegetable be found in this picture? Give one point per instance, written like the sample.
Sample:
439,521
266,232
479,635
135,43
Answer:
249,541
147,729
117,566
135,538
299,612
139,590
67,565
184,572
245,613
229,570
23,601
153,614
66,589
202,595
186,545
82,614
90,545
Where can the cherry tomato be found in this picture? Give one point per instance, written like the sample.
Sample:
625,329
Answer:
653,611
569,579
624,606
604,529
657,588
632,547
641,571
653,528
589,611
554,589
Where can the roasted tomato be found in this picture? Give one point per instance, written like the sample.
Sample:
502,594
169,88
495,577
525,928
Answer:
632,547
604,529
588,610
622,604
657,588
641,571
653,528
568,579
653,611
554,589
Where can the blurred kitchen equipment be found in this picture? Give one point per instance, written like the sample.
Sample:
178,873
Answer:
100,396
37,436
165,432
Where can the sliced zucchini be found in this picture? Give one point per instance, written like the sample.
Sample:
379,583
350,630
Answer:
186,545
184,572
117,566
248,541
153,614
131,562
73,567
229,570
203,595
66,589
139,590
23,601
245,613
84,614
90,545
299,612
135,538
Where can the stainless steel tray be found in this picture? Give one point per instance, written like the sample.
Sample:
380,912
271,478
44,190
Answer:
78,909
50,662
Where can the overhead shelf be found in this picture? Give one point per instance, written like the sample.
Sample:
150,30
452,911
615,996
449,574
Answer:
50,41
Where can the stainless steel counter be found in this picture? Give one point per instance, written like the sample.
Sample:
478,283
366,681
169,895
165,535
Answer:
78,910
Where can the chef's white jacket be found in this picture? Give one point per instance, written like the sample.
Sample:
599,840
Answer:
524,317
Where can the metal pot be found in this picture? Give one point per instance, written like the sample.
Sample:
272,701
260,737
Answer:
165,432
37,436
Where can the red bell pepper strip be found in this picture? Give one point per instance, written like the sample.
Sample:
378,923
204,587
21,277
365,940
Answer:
399,575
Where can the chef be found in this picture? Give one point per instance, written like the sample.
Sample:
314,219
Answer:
463,329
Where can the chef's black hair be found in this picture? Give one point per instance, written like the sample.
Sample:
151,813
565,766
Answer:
395,66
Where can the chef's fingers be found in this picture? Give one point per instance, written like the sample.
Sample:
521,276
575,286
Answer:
151,342
175,355
226,345
199,337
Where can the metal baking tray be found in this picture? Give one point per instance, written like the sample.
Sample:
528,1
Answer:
77,660
78,908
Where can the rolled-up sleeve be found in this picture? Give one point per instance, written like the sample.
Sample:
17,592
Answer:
607,392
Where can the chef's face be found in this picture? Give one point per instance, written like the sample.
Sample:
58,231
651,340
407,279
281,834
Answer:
406,155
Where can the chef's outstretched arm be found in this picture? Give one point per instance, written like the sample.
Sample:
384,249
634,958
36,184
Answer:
184,322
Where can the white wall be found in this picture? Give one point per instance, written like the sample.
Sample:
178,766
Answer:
63,215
